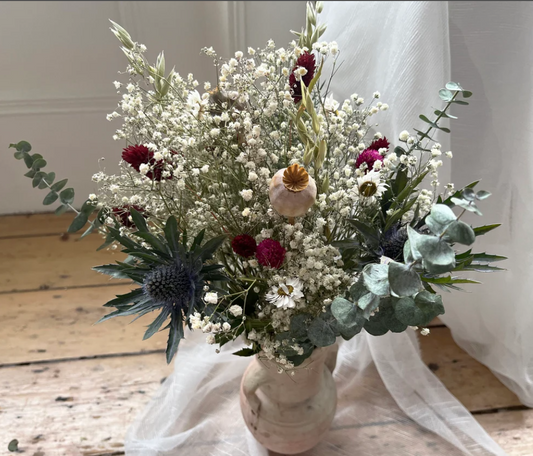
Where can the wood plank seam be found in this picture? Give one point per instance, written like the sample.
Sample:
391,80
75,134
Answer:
70,287
511,408
26,236
82,358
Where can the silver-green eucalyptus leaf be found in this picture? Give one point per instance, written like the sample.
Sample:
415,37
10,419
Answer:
403,280
414,239
469,194
439,218
368,304
376,278
459,231
482,194
345,312
468,205
438,256
407,254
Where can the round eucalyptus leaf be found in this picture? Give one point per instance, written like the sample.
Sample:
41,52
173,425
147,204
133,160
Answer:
407,255
459,231
78,223
439,218
358,290
27,160
22,146
67,195
396,326
453,86
430,304
482,194
438,256
445,95
442,214
38,178
375,328
61,209
298,326
469,194
321,332
376,278
385,320
403,281
50,198
414,239
345,312
38,164
13,446
408,312
368,304
388,316
436,228
469,206
347,332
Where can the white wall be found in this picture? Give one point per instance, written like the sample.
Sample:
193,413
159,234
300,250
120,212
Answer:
59,60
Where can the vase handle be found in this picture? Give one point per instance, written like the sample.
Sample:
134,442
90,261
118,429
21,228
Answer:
253,378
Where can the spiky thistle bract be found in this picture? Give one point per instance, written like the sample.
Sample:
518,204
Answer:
170,274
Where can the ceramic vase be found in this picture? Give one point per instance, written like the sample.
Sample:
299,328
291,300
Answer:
290,412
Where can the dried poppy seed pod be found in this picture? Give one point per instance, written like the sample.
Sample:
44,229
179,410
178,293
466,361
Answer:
292,191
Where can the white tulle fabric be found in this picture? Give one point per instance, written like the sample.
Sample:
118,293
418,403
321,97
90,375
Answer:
388,398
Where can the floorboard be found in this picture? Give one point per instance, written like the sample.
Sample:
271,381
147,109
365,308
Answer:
60,324
52,262
24,225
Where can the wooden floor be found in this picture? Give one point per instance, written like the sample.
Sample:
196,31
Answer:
68,387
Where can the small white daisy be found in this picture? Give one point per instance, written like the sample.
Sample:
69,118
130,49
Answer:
370,186
286,294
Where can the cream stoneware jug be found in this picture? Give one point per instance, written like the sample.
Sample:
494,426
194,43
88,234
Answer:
288,412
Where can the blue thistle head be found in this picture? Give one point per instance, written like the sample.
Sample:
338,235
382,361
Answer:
173,285
171,274
393,242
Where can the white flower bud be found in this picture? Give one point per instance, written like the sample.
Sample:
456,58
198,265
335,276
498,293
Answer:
404,135
235,310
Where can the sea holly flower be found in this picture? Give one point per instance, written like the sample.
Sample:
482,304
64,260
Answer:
286,294
393,242
171,276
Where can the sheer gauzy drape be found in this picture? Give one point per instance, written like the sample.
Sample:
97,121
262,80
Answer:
408,50
388,398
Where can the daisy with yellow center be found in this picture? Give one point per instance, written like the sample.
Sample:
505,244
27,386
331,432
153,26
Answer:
370,186
285,295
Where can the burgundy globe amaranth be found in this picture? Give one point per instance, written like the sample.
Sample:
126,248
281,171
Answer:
244,245
270,253
307,61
